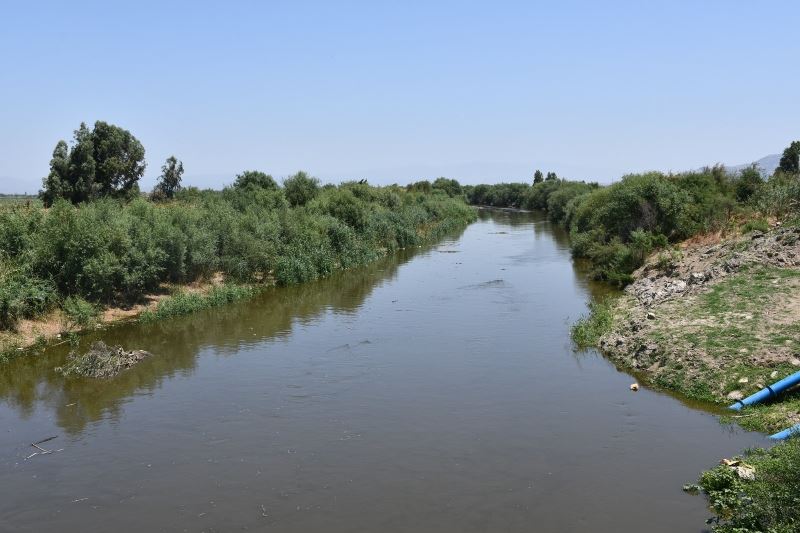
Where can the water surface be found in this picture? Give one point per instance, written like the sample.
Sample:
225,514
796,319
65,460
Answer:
434,391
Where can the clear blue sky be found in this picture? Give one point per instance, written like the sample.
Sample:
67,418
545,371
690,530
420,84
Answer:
396,91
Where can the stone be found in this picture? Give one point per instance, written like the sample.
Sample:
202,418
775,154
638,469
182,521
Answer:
735,395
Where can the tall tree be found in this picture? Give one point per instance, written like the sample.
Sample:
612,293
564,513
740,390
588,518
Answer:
551,176
169,183
537,177
56,184
790,160
104,161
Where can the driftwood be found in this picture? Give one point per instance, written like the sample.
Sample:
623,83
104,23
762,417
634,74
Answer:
43,451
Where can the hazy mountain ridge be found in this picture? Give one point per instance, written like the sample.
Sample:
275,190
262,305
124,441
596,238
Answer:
766,165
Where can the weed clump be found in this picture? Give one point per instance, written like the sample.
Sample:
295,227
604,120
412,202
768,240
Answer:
759,495
586,332
184,303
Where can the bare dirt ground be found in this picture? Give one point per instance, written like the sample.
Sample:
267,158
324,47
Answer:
51,327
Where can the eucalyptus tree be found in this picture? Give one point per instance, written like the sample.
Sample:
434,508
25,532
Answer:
103,161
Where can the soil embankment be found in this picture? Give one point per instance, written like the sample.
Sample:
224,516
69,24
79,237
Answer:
716,322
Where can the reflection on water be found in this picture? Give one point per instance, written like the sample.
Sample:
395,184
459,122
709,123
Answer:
434,391
29,381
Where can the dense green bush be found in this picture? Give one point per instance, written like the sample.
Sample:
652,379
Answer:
110,251
254,179
78,313
780,195
499,195
449,186
748,183
22,296
300,188
618,225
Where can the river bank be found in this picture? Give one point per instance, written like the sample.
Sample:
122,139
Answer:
714,321
72,268
55,327
717,320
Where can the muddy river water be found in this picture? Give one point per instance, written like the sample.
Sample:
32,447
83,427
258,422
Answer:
434,391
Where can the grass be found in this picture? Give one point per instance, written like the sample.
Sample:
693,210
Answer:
589,328
758,224
768,501
184,303
732,340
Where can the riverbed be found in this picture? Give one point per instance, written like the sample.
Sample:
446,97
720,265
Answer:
436,390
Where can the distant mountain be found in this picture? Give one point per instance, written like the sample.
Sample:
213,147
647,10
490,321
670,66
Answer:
766,165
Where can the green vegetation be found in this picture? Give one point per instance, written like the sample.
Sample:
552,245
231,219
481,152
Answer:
106,161
757,224
99,242
726,342
716,344
169,183
113,252
759,493
617,226
790,160
300,189
184,303
586,332
78,313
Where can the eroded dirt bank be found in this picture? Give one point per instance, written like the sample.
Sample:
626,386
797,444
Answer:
715,321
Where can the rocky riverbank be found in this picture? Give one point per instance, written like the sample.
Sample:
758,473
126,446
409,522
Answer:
715,321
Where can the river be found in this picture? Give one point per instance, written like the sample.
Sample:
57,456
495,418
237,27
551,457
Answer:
434,391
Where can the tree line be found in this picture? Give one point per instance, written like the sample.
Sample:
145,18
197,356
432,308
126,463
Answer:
98,241
617,226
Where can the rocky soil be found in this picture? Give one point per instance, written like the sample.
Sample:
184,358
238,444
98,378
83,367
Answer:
714,321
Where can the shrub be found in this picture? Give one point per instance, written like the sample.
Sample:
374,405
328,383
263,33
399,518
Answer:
748,183
766,501
78,313
300,188
108,251
449,186
758,224
343,205
254,179
780,195
23,296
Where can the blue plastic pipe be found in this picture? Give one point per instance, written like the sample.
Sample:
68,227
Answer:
768,392
786,433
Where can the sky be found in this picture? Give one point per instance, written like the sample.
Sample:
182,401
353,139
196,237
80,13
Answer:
401,91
